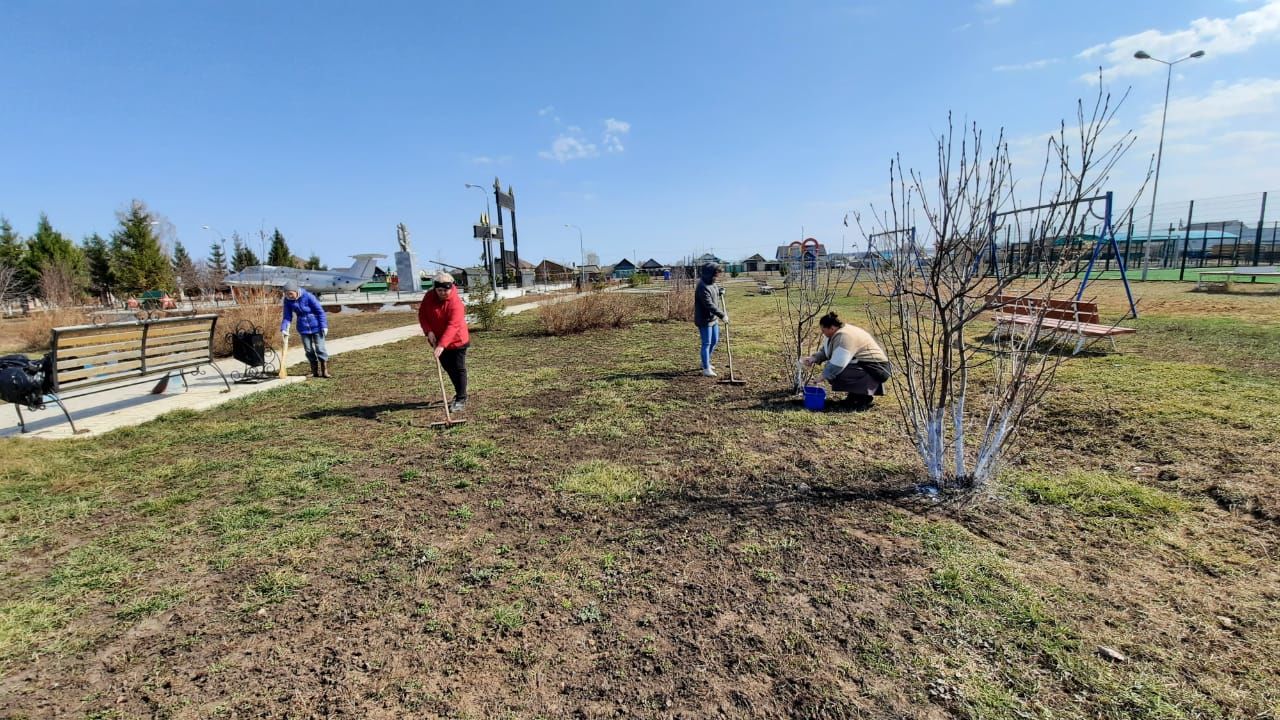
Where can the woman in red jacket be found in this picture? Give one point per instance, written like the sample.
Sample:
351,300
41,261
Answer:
444,321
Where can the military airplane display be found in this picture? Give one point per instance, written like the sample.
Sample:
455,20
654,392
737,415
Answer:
317,281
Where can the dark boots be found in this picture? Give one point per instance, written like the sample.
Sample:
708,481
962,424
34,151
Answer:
320,369
857,403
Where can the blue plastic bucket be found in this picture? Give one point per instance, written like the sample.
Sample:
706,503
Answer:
815,398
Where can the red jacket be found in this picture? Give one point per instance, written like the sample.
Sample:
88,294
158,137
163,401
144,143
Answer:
448,319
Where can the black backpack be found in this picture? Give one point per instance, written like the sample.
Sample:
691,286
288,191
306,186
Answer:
24,381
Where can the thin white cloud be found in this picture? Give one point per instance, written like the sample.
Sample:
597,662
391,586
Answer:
572,144
567,147
1198,117
1216,36
999,3
614,130
962,28
489,160
1033,65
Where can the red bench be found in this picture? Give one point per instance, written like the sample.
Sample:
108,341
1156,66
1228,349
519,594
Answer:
1061,318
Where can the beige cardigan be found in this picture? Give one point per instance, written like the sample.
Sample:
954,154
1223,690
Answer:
849,344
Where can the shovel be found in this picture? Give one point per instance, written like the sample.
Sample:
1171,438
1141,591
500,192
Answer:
284,371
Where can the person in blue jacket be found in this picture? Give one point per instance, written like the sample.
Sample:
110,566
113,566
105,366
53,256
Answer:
313,326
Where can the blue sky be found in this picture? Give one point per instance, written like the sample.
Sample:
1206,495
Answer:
660,128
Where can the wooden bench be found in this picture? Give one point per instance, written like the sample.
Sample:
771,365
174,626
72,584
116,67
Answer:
1063,318
86,359
1253,273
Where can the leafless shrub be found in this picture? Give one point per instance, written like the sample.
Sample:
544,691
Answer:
58,284
799,306
962,403
592,311
260,309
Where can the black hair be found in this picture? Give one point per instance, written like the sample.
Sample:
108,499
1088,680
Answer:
830,320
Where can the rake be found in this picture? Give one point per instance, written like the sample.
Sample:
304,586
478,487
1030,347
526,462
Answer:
444,398
728,346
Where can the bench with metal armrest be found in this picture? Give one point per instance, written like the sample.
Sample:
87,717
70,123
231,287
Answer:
87,359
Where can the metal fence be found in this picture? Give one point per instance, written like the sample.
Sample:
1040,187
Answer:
1171,244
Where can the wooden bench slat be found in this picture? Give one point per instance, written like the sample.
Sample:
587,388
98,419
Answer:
98,360
168,361
97,338
156,342
103,370
153,352
178,329
88,350
1091,329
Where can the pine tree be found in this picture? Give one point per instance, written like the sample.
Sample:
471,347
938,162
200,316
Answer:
279,254
13,261
50,248
313,263
140,262
216,266
97,256
13,254
241,256
184,269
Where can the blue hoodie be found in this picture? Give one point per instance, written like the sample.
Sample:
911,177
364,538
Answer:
311,317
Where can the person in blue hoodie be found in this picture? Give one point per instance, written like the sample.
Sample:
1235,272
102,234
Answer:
313,326
706,313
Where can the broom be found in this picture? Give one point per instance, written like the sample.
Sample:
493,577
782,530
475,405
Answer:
284,371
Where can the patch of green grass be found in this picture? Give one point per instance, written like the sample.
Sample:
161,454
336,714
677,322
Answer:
273,587
606,482
1096,494
23,621
506,618
152,604
88,568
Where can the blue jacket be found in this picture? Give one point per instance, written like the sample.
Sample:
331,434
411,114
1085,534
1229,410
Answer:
311,317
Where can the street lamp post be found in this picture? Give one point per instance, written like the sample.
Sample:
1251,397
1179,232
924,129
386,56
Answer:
582,256
1155,188
488,249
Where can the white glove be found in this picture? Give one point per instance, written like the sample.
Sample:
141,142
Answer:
284,330
324,332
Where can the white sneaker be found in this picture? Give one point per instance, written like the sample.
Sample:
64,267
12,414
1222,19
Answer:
709,372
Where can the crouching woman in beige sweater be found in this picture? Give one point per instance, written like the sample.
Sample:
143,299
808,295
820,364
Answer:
856,363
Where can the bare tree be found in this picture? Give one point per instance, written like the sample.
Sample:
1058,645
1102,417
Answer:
800,304
58,284
962,403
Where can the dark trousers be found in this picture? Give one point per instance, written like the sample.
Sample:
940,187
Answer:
862,378
455,366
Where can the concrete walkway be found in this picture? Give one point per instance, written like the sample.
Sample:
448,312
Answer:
134,405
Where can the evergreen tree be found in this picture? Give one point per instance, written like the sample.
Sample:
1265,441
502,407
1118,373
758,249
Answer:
184,269
48,247
97,256
216,266
13,254
140,262
279,254
313,262
13,249
241,256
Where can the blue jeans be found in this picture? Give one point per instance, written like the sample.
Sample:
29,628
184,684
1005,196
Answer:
710,336
313,345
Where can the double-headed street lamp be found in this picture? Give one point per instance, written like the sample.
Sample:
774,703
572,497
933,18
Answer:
582,256
488,251
1144,55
